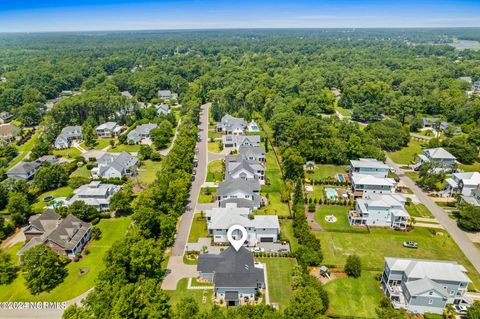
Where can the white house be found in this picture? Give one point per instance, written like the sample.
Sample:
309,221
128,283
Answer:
167,95
237,167
141,132
363,184
260,228
112,165
94,194
439,156
232,125
108,129
473,198
238,141
462,183
239,189
67,135
162,109
369,166
252,153
386,210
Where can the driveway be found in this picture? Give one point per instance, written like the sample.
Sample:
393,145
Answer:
167,150
179,270
460,237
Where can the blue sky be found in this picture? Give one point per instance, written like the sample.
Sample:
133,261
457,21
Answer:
89,15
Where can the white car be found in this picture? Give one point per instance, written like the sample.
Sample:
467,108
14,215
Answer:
461,310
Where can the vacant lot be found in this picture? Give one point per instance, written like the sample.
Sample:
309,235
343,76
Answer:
323,171
215,171
147,172
125,147
407,154
214,147
198,229
75,283
279,273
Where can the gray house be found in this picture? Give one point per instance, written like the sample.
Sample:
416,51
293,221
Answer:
162,109
236,277
167,95
438,155
238,141
26,170
237,167
141,132
235,189
424,285
252,153
112,165
108,129
67,135
232,125
94,194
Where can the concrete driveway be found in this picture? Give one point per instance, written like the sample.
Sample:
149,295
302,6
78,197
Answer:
460,237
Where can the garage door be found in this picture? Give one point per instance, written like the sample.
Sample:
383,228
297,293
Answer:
266,239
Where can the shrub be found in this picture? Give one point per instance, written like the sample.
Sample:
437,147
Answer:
353,267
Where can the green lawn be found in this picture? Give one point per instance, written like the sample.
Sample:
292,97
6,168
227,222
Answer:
413,176
418,210
196,283
147,172
75,283
82,171
215,171
340,212
68,152
344,112
407,154
279,275
204,198
214,147
350,296
24,149
125,147
214,134
380,243
475,167
202,296
198,229
326,170
40,205
286,233
101,144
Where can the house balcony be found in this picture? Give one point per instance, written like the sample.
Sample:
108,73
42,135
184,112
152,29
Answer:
357,219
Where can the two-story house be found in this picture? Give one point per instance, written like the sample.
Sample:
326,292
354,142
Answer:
421,286
26,170
368,184
252,153
115,165
369,166
94,194
167,95
237,141
108,129
233,190
232,125
381,210
462,183
140,132
237,167
439,156
67,135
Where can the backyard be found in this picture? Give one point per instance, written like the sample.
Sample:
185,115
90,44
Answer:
407,154
215,171
379,243
147,172
68,152
323,171
40,204
341,215
76,282
279,275
198,229
100,145
202,296
82,171
359,296
286,233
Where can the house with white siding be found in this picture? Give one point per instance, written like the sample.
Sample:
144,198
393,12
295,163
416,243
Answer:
363,184
369,166
67,136
462,183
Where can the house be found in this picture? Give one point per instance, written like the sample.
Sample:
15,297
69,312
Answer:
167,95
446,127
253,126
422,286
466,79
439,156
252,153
473,198
5,117
237,279
50,104
430,122
462,183
141,132
237,167
108,129
112,165
363,184
67,135
386,210
239,189
8,132
94,194
126,94
66,92
369,166
238,141
65,236
162,109
260,228
231,125
26,170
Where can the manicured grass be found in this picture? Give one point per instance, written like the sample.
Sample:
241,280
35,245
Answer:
198,229
68,152
413,176
418,210
82,171
340,212
24,149
213,134
475,167
101,144
40,205
197,294
350,296
214,147
196,283
279,275
344,112
75,283
147,172
380,243
326,170
215,171
204,198
407,154
286,233
125,147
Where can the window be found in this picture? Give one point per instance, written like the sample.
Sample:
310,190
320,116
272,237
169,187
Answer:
452,292
430,301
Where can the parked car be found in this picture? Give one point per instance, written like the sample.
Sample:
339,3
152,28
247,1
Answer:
195,162
193,178
283,250
258,250
410,244
461,310
194,172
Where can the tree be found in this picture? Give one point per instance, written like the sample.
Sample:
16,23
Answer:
145,152
449,312
293,164
162,135
18,207
121,200
43,269
460,147
89,135
30,114
187,308
469,218
50,177
431,176
3,196
385,310
305,303
390,134
353,266
83,211
473,312
8,270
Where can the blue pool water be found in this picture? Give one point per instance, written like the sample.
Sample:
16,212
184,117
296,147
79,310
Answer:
341,178
331,193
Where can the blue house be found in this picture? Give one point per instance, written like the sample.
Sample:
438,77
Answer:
369,166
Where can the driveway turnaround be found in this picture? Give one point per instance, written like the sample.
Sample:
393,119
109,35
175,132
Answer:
462,240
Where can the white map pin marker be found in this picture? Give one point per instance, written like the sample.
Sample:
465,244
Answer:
237,243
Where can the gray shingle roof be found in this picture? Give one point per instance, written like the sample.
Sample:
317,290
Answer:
228,186
69,232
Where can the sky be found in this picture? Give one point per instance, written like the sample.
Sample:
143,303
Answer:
101,15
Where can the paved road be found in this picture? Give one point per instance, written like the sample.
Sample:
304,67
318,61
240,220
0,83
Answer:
462,240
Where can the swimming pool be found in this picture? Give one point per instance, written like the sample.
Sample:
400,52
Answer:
340,178
57,202
331,193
